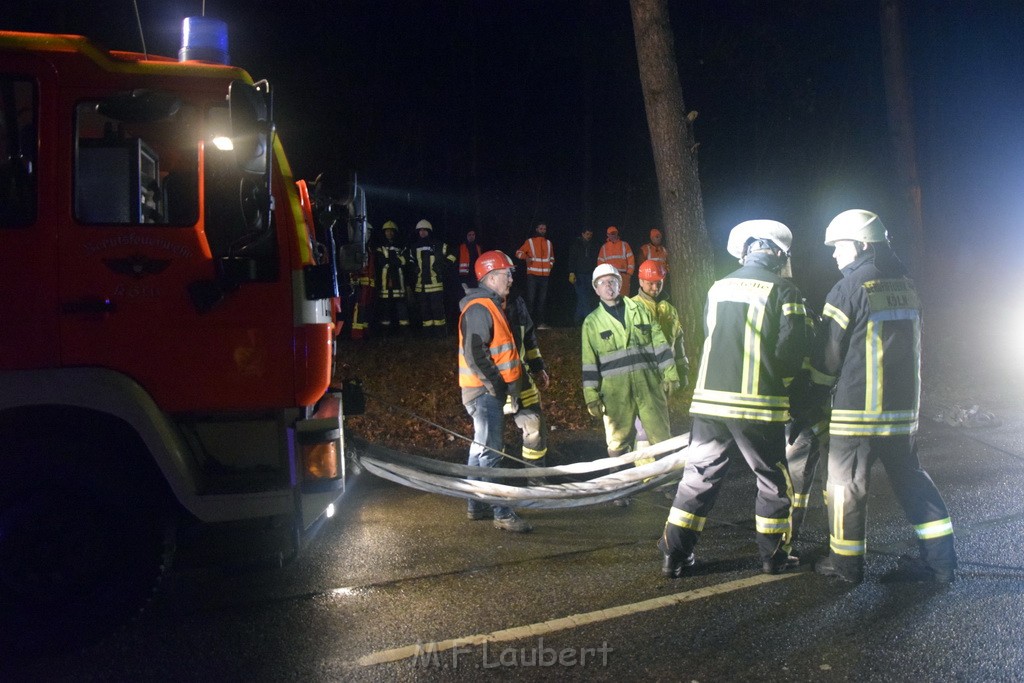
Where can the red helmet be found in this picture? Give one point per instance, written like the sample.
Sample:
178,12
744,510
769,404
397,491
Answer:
491,260
651,271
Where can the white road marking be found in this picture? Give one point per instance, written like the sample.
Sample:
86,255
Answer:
564,623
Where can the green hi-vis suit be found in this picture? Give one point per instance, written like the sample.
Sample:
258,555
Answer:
623,367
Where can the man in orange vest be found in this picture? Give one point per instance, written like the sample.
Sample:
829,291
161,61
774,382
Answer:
469,252
655,251
539,255
489,372
620,255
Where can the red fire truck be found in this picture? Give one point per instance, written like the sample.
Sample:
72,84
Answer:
166,327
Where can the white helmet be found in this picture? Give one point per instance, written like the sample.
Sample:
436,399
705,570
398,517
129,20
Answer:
772,231
605,269
424,224
857,225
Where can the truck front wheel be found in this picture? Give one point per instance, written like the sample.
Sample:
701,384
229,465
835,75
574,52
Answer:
80,553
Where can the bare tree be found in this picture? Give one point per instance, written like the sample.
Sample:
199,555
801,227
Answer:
675,159
901,127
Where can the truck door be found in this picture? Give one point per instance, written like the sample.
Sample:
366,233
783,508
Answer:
149,202
28,270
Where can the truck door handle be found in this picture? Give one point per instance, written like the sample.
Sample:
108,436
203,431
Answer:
88,305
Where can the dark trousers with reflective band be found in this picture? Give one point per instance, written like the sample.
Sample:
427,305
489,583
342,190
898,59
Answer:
802,458
531,423
431,307
849,471
712,444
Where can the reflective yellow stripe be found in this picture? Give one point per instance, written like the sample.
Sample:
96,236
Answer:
847,547
794,309
771,525
904,429
936,529
302,234
531,454
686,520
731,397
735,413
801,500
835,314
837,498
752,350
873,372
821,378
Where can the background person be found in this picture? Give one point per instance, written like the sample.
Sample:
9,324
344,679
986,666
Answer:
539,254
654,250
429,264
391,263
582,261
469,252
618,254
651,275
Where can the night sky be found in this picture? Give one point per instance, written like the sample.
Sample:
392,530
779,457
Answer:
499,114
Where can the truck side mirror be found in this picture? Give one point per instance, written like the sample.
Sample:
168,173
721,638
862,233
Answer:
251,126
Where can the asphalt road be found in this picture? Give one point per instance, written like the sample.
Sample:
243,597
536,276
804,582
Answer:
582,596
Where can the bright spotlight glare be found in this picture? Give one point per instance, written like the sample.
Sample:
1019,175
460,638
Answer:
223,143
329,512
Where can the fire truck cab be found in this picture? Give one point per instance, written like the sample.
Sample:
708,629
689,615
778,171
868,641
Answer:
166,334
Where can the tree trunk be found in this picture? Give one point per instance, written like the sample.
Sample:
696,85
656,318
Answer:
675,159
900,106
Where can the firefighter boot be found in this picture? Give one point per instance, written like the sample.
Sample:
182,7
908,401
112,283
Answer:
851,571
779,562
675,563
537,463
911,569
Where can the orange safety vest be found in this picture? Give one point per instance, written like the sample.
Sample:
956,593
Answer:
538,254
659,254
503,350
620,255
464,256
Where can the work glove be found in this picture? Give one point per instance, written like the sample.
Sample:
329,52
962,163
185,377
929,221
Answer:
511,405
541,379
572,278
596,408
668,386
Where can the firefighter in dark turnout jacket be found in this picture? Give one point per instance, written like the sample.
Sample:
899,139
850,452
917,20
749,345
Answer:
529,416
430,263
869,352
755,342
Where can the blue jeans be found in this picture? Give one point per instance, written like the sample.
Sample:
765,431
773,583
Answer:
488,425
586,300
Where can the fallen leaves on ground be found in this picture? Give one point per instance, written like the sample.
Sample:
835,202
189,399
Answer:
414,404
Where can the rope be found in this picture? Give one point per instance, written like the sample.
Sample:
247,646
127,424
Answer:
417,416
